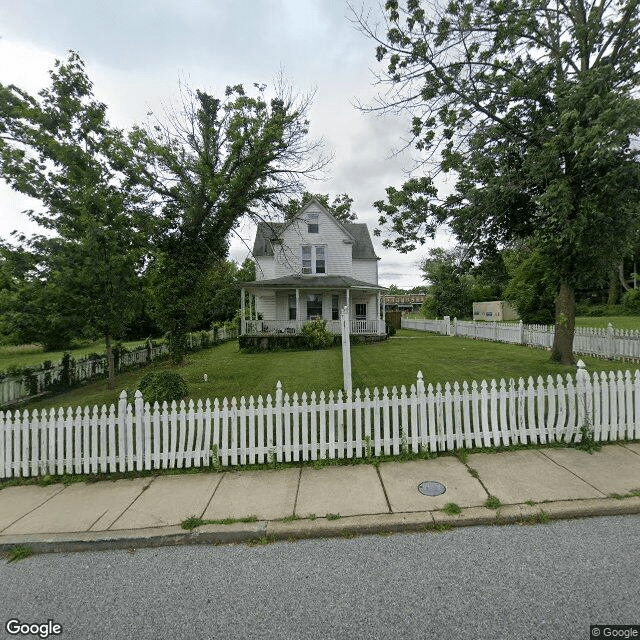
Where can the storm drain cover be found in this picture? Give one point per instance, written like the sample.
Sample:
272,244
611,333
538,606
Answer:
431,488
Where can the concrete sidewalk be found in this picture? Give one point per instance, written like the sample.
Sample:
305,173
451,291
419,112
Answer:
307,502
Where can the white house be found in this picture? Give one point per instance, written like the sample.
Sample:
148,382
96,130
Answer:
311,267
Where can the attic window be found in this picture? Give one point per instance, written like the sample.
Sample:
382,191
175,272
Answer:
312,223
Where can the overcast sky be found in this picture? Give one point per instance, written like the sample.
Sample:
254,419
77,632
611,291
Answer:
136,51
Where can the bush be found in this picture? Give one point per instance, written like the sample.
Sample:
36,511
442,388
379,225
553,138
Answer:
161,386
391,330
316,334
631,300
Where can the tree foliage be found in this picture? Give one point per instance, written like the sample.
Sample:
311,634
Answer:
340,207
61,149
209,165
533,106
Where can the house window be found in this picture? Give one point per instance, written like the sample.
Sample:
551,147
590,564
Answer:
292,307
314,259
320,261
314,306
335,310
361,311
312,223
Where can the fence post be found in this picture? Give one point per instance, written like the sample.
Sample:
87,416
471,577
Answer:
446,325
455,326
277,409
585,405
139,421
521,328
610,352
122,429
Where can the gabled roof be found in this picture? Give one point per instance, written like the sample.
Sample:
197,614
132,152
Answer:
362,247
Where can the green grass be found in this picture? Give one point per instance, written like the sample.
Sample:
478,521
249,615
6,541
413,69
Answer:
29,355
19,553
393,362
452,509
618,322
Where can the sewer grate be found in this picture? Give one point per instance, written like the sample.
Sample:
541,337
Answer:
431,488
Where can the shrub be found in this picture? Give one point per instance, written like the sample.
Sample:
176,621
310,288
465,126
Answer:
631,300
316,334
161,386
391,330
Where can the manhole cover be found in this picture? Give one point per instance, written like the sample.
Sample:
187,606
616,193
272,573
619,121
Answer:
431,488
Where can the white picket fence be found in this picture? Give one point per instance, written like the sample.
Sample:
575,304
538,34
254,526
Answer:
319,426
615,344
14,389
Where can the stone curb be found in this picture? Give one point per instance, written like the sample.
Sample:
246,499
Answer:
350,526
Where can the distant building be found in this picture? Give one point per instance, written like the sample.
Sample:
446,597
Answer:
495,310
404,302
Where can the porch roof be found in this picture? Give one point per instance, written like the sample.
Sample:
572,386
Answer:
311,282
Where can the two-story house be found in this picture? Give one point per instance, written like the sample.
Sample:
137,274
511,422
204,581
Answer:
311,267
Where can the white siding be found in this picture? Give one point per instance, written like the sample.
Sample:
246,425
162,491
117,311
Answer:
338,253
264,268
266,304
365,270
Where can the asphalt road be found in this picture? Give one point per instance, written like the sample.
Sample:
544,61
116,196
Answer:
539,581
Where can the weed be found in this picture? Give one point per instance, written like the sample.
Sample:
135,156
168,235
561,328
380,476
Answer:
462,455
385,534
312,516
348,534
531,503
333,516
452,509
492,502
291,518
621,496
45,481
214,461
543,517
191,523
367,447
404,445
587,442
261,542
19,553
474,473
440,526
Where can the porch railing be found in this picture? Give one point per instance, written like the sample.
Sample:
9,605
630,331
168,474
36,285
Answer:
292,327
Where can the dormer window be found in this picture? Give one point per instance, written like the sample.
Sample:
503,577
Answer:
312,223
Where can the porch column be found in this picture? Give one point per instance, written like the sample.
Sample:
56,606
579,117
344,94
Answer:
297,307
379,310
384,312
242,320
349,309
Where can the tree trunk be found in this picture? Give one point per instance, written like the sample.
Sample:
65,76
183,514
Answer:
562,350
110,363
613,289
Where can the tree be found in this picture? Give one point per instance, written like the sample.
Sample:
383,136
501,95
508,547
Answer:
61,149
532,286
340,208
215,161
533,105
224,301
451,289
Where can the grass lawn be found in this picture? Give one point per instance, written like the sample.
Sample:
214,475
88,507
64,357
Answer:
389,363
28,355
618,322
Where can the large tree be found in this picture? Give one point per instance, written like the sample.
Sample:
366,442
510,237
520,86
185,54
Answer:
340,207
210,164
533,105
60,149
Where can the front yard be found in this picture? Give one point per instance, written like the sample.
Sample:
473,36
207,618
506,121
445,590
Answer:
394,362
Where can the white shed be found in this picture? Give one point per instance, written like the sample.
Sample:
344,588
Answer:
494,310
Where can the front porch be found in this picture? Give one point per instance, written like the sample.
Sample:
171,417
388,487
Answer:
282,307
